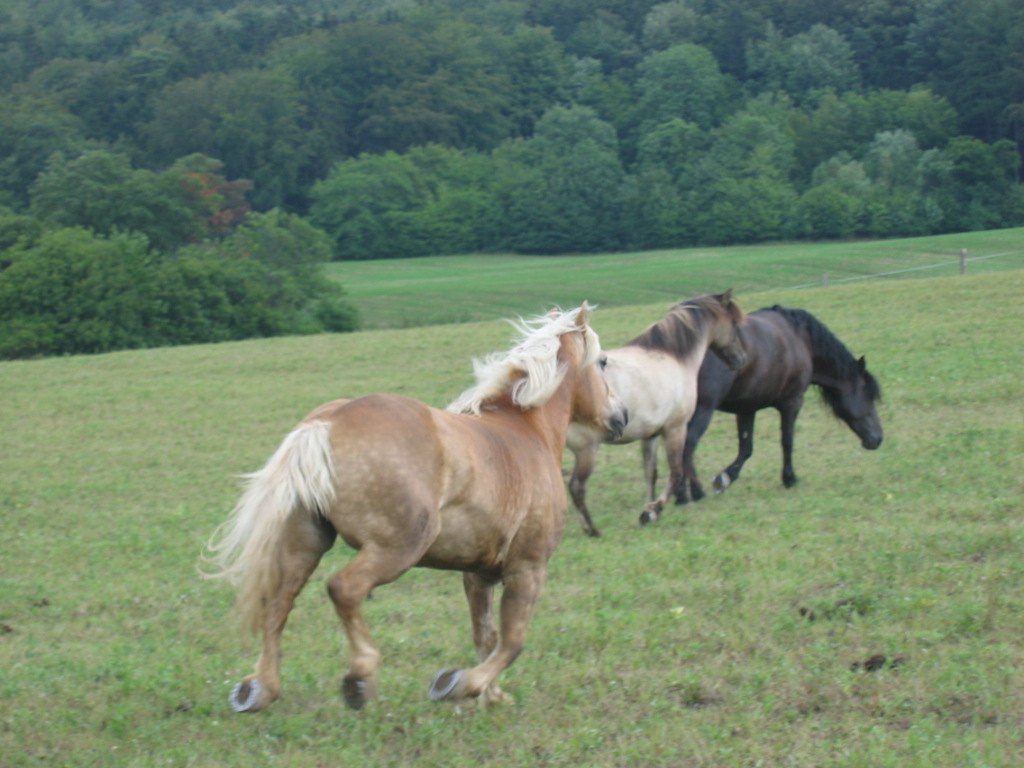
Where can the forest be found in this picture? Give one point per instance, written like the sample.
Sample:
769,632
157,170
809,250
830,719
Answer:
190,163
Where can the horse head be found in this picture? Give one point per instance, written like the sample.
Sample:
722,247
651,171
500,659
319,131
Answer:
595,403
853,400
725,337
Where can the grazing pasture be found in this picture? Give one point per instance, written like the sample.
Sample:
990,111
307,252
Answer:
401,293
871,616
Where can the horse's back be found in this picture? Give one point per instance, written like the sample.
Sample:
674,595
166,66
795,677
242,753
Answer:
778,368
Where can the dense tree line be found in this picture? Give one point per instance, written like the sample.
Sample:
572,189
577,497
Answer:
405,127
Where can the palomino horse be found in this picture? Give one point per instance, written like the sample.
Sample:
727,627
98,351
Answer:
477,488
787,351
655,375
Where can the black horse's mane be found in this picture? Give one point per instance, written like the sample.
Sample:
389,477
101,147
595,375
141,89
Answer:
836,360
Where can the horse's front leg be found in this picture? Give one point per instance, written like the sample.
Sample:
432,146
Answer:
745,434
694,432
649,458
480,596
521,590
583,468
675,442
788,413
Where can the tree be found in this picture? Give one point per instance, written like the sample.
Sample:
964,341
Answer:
266,279
100,190
361,206
250,120
849,123
902,201
667,24
817,60
31,130
71,292
683,81
743,193
563,189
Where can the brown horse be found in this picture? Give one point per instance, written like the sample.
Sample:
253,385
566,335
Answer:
476,488
655,375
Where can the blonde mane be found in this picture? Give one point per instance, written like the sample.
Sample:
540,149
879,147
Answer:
531,368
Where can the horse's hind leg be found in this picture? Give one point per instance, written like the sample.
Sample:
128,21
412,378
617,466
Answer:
581,471
374,566
521,590
304,543
789,413
745,433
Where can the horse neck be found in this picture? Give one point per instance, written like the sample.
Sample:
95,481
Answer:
551,420
686,341
831,363
548,421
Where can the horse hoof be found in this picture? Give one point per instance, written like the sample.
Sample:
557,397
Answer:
722,481
651,513
246,696
355,691
444,683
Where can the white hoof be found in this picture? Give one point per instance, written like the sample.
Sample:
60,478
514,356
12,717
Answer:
246,695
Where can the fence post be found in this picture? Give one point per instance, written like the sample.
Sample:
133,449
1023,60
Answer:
963,261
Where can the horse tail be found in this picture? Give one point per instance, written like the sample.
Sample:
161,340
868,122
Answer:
245,549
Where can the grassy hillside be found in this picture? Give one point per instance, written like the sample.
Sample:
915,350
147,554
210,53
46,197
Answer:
402,293
723,636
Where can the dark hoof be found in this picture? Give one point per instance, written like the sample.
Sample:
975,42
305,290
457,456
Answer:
445,683
651,513
592,533
722,481
355,691
246,696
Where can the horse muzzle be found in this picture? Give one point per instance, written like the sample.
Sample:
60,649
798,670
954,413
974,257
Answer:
617,423
871,441
735,359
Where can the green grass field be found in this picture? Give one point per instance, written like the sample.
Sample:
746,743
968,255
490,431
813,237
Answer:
409,292
723,636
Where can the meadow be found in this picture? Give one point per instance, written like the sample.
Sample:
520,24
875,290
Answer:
733,633
401,293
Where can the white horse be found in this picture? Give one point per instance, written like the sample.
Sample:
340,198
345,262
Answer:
655,376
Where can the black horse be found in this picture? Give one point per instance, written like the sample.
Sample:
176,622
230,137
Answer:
787,351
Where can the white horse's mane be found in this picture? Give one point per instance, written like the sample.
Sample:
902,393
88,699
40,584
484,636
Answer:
532,362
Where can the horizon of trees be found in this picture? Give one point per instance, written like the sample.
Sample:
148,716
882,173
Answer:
355,130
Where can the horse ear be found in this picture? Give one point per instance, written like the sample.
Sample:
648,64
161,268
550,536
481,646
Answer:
581,318
727,296
862,364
